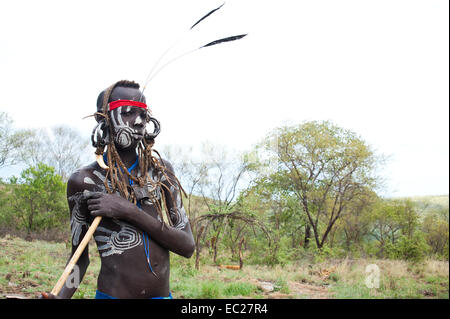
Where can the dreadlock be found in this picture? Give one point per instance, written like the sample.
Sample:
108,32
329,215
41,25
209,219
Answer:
117,175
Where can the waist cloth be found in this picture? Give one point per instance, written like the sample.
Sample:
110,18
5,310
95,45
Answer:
102,295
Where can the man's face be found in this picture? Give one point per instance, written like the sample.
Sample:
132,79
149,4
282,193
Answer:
128,125
128,122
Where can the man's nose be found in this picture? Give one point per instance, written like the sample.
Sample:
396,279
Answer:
139,122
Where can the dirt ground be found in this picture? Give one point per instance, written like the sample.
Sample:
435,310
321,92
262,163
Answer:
296,290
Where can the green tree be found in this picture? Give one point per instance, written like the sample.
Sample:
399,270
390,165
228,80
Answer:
219,180
355,225
37,200
281,212
436,229
395,225
326,167
413,248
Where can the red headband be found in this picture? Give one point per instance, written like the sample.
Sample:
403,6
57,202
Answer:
115,104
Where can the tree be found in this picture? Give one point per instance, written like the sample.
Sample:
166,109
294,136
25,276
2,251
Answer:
63,148
222,181
213,181
355,225
436,229
394,224
326,167
68,150
279,209
11,141
190,172
37,200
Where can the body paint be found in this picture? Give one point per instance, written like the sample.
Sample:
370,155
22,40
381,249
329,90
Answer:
102,178
77,219
123,132
88,180
117,242
178,214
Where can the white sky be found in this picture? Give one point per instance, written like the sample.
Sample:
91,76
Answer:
379,68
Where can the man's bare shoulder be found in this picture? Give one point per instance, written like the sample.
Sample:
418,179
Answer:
85,178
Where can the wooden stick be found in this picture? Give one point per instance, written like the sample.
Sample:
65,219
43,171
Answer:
76,256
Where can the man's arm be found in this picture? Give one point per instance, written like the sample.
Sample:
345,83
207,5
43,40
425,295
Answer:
174,203
79,224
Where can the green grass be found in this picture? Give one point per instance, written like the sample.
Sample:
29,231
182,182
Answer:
398,280
28,268
403,288
281,285
239,289
212,289
31,267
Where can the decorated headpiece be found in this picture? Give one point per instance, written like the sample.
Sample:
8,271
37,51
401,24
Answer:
115,104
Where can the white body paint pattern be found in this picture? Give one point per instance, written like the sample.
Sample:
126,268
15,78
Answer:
117,242
155,193
88,180
114,242
178,215
128,237
123,131
99,175
102,178
77,220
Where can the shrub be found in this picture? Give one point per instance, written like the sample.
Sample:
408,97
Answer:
413,249
36,200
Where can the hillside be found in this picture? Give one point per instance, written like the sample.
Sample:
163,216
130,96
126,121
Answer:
426,204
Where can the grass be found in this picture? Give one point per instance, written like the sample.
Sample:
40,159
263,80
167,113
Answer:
397,279
28,268
31,267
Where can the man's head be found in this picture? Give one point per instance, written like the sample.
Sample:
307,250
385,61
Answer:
122,116
123,90
127,112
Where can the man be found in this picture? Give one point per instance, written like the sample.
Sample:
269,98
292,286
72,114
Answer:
133,238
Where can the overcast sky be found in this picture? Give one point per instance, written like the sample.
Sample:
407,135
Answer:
379,68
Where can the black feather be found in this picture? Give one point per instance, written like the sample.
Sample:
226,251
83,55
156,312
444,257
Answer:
207,15
233,38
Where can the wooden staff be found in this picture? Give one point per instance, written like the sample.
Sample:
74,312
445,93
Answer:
55,291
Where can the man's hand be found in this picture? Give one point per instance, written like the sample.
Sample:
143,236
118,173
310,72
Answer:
45,295
108,205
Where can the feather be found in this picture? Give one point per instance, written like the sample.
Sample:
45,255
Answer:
228,39
206,15
155,71
150,76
